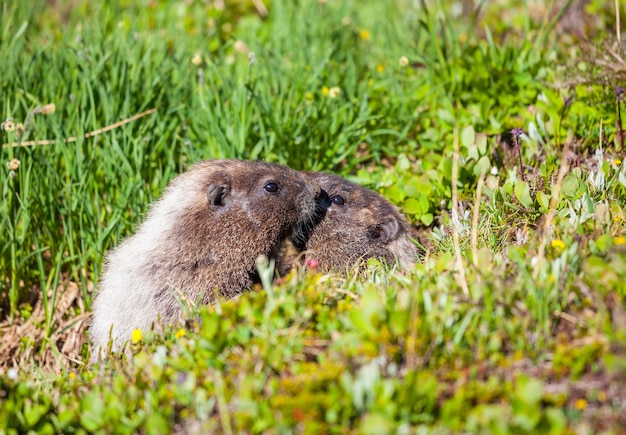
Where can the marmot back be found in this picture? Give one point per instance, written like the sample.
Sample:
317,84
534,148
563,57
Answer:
200,241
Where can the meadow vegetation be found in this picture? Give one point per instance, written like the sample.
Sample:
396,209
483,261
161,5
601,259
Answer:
496,127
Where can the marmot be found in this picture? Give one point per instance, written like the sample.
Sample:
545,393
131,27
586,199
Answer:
200,240
359,224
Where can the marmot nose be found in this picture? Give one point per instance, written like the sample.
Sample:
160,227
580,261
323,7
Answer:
323,198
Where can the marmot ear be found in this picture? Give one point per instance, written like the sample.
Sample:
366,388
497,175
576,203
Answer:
383,232
216,194
218,189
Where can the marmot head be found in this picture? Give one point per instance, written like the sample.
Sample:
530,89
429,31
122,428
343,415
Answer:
358,224
242,207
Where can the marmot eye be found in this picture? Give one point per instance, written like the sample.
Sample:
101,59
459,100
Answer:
271,187
338,199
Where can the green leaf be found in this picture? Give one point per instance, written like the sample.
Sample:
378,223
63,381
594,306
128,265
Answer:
411,189
413,206
570,186
544,200
468,136
403,164
394,194
604,242
481,143
522,193
92,414
482,166
427,219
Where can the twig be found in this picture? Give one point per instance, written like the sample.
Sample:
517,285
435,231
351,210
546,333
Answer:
262,10
87,135
616,56
554,202
455,214
618,33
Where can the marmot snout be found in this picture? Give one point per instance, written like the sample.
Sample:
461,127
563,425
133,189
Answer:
200,240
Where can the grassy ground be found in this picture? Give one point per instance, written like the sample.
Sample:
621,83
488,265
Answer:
497,132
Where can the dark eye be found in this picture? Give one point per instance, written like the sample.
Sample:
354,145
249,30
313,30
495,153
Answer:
338,199
271,187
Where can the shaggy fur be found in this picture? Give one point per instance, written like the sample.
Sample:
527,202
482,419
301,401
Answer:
359,224
200,240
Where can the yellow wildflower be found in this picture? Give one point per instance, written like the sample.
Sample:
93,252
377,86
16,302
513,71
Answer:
380,68
180,333
308,96
325,90
71,375
581,404
620,240
196,59
365,35
617,162
136,336
404,61
558,244
334,92
14,164
8,125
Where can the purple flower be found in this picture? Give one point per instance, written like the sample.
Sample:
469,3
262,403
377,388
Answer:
568,101
619,92
517,132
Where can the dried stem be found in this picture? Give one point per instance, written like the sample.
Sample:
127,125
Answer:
475,215
618,32
455,214
554,202
87,135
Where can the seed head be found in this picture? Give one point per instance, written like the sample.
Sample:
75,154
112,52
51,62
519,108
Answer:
404,61
196,59
48,109
241,47
13,165
334,92
20,130
8,125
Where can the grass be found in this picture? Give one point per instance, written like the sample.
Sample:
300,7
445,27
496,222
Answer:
513,321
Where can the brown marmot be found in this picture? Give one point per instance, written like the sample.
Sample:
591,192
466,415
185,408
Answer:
359,224
200,240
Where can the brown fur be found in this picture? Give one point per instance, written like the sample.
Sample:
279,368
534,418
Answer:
365,226
200,240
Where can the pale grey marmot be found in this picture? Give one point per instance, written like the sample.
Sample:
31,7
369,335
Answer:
359,224
200,241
